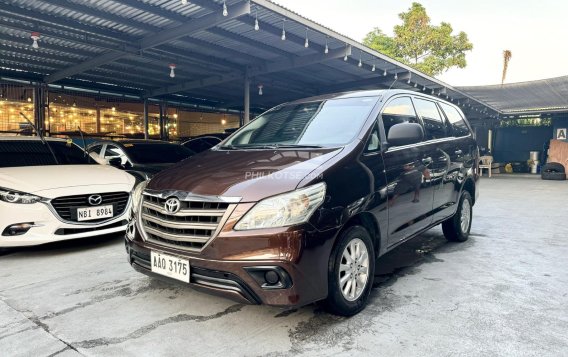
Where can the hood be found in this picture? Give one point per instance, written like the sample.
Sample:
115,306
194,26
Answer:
35,179
151,169
250,174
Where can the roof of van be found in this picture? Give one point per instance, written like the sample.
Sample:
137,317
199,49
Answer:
363,93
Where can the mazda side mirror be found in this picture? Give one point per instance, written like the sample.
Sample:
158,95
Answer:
405,134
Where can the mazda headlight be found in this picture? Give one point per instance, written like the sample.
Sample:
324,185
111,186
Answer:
137,195
12,196
284,210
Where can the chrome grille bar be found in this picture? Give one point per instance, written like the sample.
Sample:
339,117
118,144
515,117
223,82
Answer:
198,220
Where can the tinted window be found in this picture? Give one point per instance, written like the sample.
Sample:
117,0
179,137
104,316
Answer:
201,144
331,122
434,127
96,149
15,153
113,151
459,127
399,110
156,153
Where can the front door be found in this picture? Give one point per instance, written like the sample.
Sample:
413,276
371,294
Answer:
407,168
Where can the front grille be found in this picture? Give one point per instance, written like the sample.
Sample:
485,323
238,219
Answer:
67,231
189,229
66,207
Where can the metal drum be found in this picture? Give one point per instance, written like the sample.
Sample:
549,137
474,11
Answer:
534,167
534,155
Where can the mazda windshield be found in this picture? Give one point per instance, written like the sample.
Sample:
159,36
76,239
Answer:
14,153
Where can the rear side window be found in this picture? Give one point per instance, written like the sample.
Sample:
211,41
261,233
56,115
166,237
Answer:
96,149
434,127
459,127
399,110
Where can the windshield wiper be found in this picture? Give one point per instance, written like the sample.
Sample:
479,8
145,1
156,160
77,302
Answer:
39,134
269,146
301,146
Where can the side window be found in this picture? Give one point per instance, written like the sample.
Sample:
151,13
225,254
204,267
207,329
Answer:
434,127
459,127
113,151
96,149
373,143
397,111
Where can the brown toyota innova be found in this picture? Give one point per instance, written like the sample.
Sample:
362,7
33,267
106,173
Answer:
297,205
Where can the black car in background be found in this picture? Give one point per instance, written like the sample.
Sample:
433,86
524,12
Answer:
204,142
141,158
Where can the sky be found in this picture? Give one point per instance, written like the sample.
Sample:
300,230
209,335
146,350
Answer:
536,32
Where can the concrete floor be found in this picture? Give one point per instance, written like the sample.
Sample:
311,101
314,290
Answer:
504,292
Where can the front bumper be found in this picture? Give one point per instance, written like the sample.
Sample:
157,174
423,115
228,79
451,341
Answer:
48,228
303,258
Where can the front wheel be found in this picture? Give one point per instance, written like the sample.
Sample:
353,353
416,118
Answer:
350,272
457,227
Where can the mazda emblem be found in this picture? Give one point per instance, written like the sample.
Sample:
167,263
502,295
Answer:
172,205
95,200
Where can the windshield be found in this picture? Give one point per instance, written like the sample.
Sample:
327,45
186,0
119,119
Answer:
156,153
14,153
327,123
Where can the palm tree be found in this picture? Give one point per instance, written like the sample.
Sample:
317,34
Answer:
506,58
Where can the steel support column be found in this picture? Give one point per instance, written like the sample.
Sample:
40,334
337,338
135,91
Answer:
39,108
246,117
146,134
163,121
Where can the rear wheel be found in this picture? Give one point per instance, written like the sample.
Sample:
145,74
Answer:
457,227
350,272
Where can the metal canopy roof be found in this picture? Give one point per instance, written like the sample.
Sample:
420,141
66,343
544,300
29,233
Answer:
535,97
127,45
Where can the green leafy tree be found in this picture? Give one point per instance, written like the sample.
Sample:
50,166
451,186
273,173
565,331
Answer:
428,48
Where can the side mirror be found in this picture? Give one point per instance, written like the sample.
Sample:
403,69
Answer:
405,134
115,162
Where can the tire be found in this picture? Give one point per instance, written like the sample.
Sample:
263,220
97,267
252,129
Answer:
355,299
553,167
551,175
457,227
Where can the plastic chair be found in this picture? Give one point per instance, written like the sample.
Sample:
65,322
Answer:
485,163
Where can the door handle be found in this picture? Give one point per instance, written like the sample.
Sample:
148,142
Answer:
458,152
426,161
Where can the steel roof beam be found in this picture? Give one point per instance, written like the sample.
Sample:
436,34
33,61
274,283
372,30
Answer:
73,53
278,66
155,40
84,9
377,80
45,31
60,22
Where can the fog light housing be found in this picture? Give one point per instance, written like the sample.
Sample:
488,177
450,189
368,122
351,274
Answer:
270,277
17,229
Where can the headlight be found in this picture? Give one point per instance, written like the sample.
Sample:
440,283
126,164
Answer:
284,210
12,196
137,195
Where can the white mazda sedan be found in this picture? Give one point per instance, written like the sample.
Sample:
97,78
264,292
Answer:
51,191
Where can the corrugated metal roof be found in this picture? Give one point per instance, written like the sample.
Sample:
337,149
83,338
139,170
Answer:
542,96
75,33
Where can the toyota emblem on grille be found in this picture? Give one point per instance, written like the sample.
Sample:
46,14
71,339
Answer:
95,200
172,205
